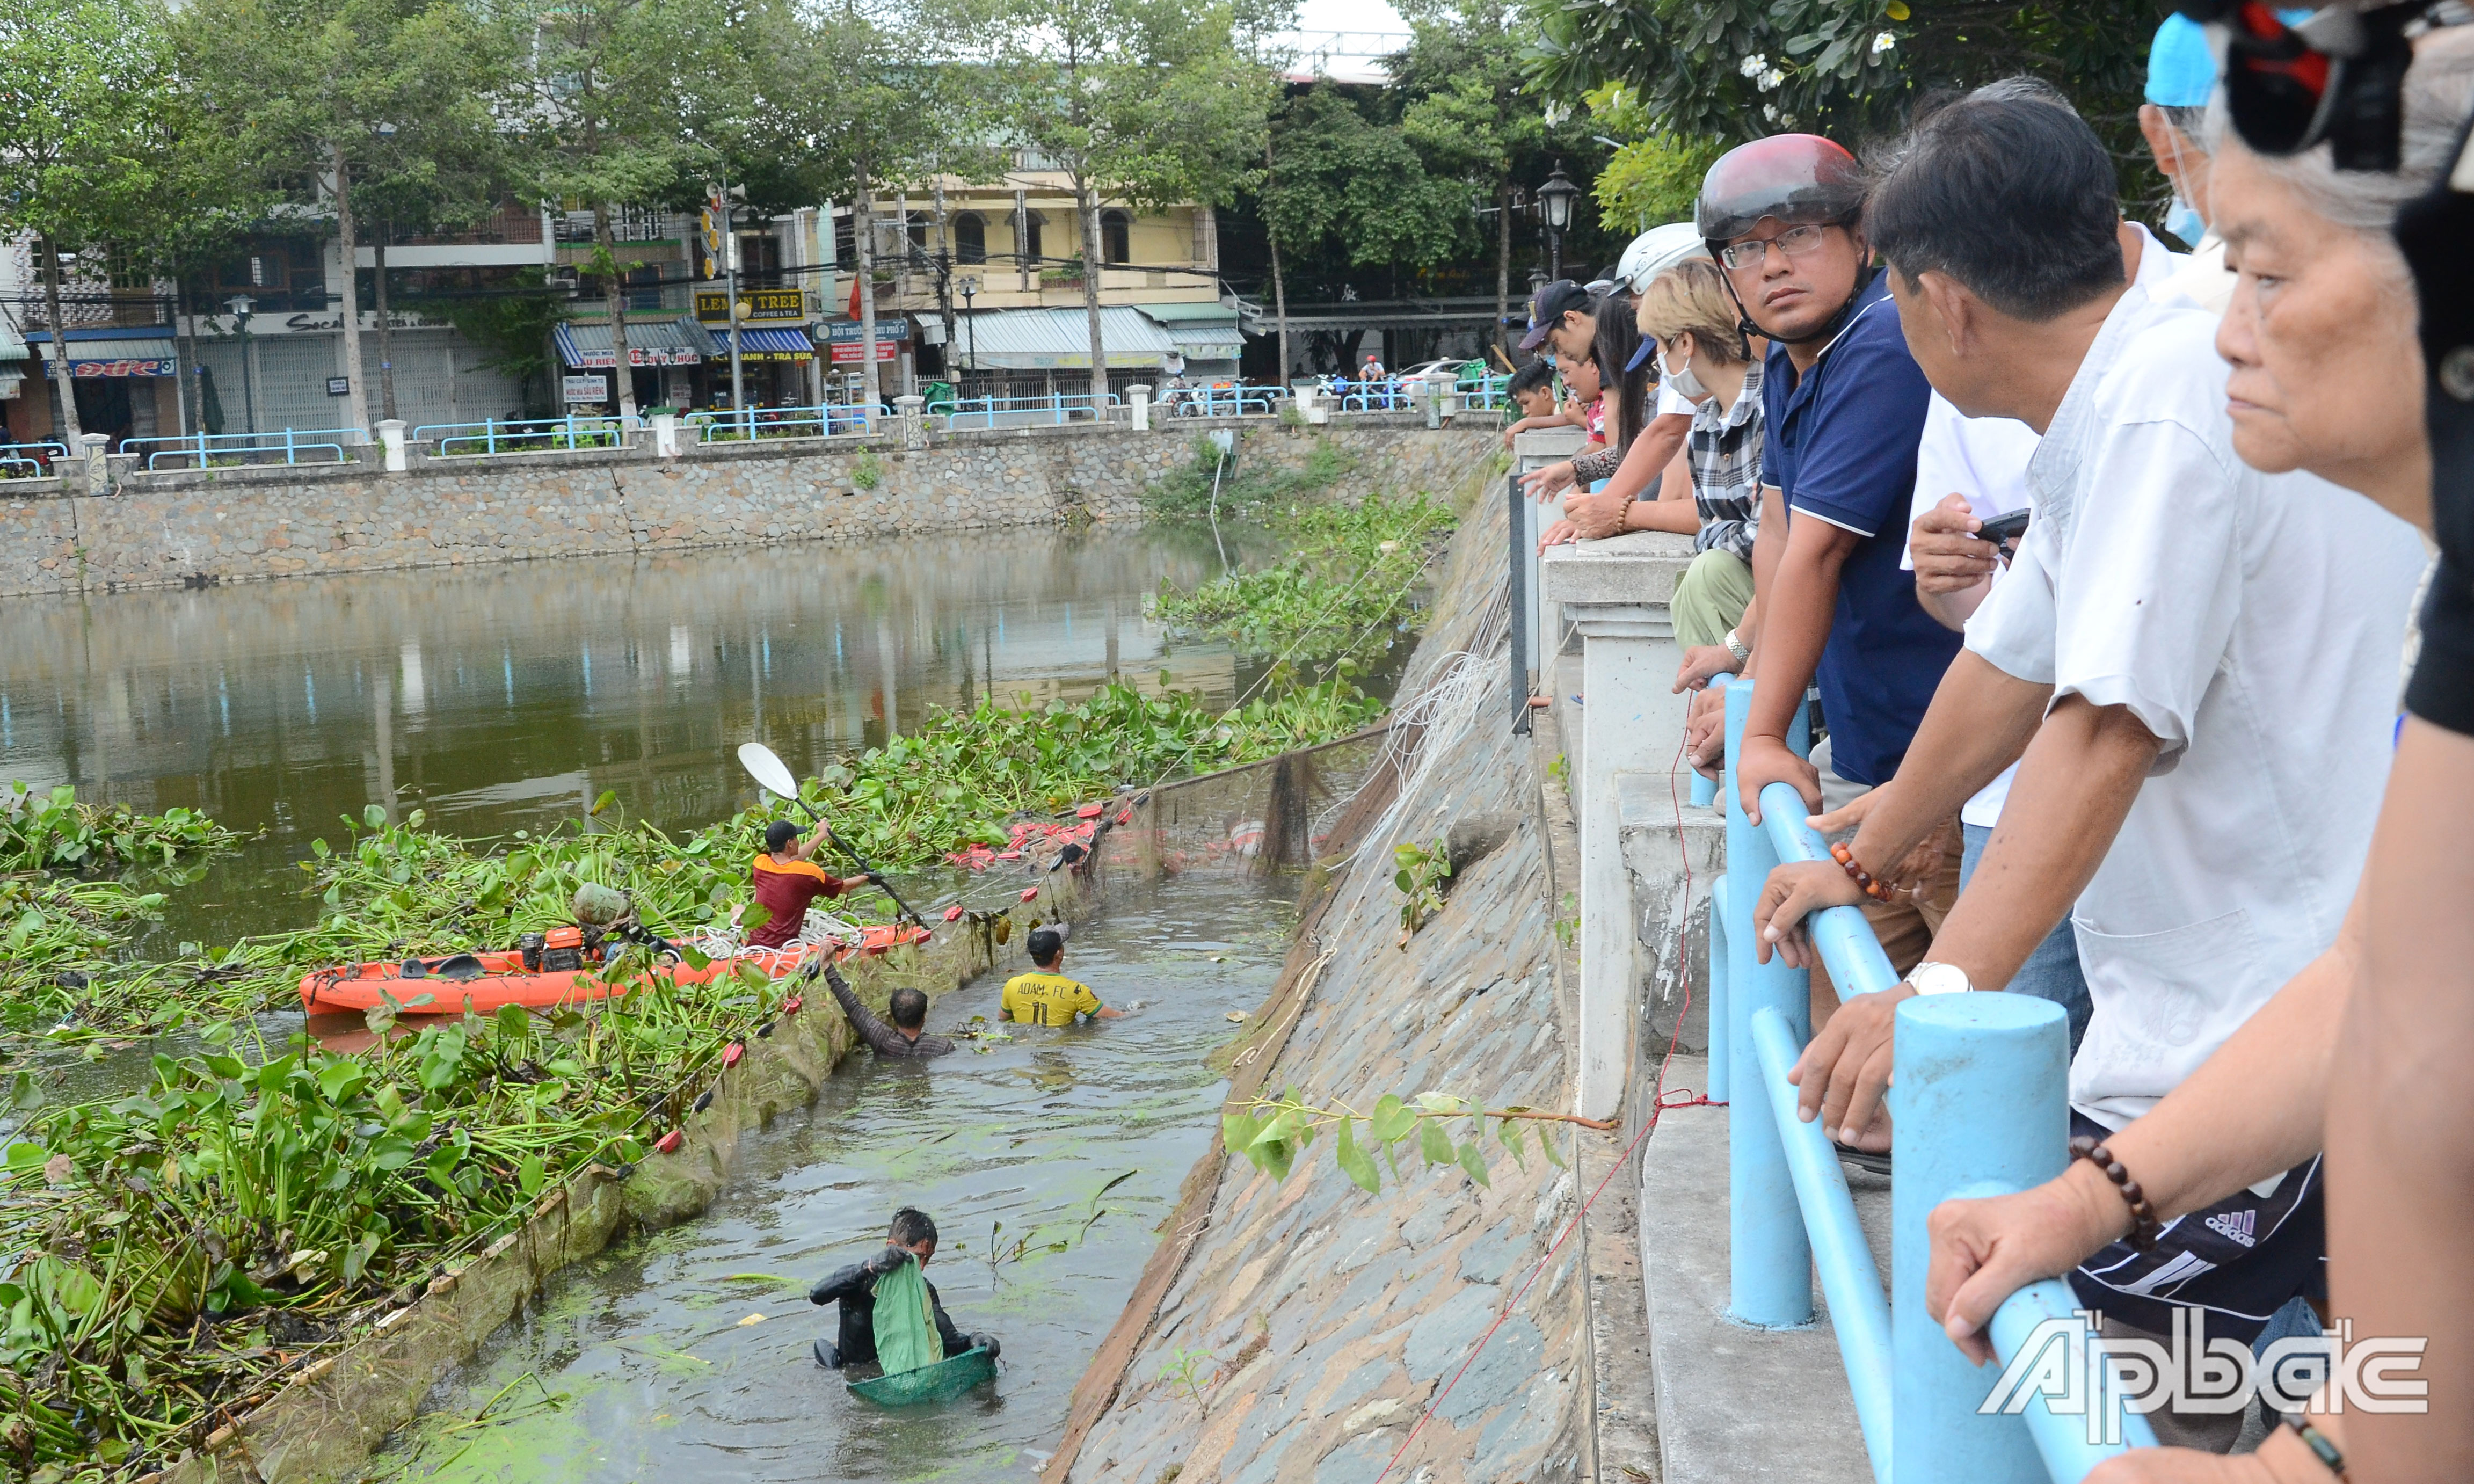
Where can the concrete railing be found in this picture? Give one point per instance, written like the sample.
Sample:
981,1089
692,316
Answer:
1978,1101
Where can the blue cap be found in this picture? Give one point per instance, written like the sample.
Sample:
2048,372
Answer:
2181,66
2181,69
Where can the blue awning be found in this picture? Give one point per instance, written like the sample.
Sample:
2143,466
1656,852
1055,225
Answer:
769,342
587,346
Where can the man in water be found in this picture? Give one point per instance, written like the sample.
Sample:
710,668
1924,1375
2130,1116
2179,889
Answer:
1045,996
907,1007
785,881
854,1288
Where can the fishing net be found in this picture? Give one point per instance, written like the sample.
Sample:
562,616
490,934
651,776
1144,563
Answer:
942,1381
1259,818
906,1322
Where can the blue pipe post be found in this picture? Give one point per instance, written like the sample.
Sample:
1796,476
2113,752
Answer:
1859,1312
1769,1261
1841,935
1979,1094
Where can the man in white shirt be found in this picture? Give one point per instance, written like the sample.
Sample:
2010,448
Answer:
2196,658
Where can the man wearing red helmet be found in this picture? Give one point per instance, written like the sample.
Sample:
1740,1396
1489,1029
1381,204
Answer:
1844,407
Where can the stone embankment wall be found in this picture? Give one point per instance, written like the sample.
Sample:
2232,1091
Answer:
174,529
1294,1331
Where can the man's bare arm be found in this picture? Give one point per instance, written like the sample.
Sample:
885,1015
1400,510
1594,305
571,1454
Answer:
1979,723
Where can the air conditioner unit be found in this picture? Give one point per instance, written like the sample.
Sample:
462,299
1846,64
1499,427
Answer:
563,278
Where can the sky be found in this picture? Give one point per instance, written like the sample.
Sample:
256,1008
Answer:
1340,39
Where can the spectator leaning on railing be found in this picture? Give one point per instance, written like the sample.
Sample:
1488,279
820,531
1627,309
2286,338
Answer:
2327,375
2198,660
1843,405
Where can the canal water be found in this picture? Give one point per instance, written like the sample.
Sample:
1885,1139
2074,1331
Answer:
511,698
1048,1162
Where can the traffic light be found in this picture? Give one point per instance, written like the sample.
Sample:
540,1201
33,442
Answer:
712,225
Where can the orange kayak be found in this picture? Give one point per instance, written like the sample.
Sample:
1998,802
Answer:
483,982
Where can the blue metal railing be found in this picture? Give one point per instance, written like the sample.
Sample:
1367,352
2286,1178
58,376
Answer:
31,458
746,425
1226,399
1978,1101
983,412
1390,394
1484,394
523,435
204,449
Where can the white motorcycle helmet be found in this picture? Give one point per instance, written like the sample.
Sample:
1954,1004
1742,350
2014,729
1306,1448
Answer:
1658,250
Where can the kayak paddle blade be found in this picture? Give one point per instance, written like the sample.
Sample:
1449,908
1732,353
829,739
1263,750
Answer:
770,772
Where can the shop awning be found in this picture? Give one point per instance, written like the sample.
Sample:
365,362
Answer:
770,343
587,346
1061,340
12,345
1203,332
116,352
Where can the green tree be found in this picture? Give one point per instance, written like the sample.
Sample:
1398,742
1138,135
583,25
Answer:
88,127
615,86
1735,69
1148,103
1654,175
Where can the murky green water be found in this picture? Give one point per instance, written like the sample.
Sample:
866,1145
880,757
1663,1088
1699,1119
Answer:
658,1372
511,697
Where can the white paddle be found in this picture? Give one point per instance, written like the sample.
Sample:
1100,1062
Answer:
773,776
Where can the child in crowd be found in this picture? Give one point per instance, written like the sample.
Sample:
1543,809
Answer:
1533,391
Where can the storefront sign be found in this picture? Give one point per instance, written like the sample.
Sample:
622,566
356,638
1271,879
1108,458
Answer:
339,386
583,389
637,355
890,333
713,305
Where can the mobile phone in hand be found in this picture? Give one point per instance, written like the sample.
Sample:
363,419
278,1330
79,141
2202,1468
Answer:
2004,531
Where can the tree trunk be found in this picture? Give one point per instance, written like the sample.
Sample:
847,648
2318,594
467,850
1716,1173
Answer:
58,354
357,400
864,237
1279,283
1503,340
386,340
185,357
1086,205
613,297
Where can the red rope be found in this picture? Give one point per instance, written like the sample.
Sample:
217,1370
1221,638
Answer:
1660,1106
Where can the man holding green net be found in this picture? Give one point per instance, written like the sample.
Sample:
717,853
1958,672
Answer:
891,1312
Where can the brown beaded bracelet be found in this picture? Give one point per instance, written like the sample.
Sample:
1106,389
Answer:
2145,1228
2330,1457
1879,891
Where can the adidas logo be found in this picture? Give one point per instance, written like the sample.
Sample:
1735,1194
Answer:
2236,1227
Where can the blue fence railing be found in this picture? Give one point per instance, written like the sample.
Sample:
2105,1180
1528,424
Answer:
985,412
748,425
522,435
208,451
1224,401
1484,394
24,460
1978,1105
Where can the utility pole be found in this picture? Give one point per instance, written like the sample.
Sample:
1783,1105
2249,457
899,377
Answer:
721,199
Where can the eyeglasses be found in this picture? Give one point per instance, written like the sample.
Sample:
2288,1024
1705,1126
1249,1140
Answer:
1794,242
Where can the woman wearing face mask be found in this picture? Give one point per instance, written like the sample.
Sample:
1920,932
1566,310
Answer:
2363,1054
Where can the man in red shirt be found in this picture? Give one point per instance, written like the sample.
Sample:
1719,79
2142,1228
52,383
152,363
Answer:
785,881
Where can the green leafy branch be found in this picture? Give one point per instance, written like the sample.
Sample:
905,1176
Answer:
1271,1132
1419,880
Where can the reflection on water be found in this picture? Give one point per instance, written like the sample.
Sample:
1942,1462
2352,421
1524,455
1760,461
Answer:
511,697
663,1375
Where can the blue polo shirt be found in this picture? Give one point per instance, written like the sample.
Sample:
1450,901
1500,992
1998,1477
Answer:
1841,443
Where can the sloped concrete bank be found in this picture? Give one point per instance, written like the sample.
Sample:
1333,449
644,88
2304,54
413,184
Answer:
240,525
1304,1330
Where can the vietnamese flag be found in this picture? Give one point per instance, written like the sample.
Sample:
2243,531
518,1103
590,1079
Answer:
854,298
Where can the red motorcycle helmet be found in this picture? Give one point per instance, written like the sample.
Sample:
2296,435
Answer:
1797,178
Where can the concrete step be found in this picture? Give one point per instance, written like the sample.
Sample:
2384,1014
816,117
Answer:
1735,1405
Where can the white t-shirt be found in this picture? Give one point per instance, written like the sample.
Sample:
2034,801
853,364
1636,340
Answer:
1670,401
2251,622
1986,460
2202,277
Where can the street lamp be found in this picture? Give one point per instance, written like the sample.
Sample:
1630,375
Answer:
1555,201
970,288
240,305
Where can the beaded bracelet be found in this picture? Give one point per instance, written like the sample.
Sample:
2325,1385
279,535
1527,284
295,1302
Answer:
2330,1457
2145,1228
1879,891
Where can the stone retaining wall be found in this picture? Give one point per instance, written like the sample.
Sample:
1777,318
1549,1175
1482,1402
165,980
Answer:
175,528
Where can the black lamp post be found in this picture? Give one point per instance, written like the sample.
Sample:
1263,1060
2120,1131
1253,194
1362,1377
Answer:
240,305
1555,202
970,287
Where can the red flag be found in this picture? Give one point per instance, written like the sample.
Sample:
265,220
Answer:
853,302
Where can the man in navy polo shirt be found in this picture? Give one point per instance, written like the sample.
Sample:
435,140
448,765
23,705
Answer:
1844,407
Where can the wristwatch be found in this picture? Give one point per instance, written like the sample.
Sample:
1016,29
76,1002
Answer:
1736,647
1939,979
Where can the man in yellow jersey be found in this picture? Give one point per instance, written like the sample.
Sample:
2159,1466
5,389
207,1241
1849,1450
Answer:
1045,996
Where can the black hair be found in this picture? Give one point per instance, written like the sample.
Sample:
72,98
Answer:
2007,192
1535,377
1627,392
1045,944
912,1226
907,1007
779,833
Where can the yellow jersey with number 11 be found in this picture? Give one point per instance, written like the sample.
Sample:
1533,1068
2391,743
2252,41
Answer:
1048,1000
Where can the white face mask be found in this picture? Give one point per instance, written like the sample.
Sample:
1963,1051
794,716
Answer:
1686,384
